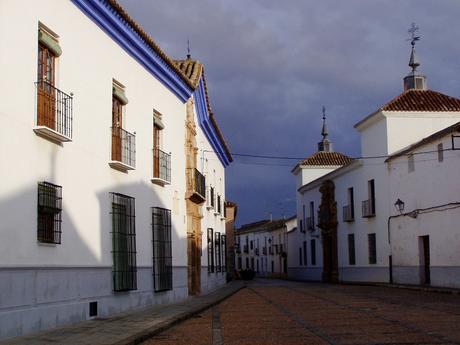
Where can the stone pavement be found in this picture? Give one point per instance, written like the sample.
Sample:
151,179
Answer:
128,328
270,312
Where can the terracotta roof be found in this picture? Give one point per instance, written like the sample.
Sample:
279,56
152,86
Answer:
121,11
262,225
194,70
422,100
326,158
435,136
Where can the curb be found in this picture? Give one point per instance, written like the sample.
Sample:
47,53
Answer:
449,291
170,322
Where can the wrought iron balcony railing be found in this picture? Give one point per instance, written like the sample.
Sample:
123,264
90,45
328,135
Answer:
123,149
256,251
246,248
348,215
368,208
264,250
54,112
161,167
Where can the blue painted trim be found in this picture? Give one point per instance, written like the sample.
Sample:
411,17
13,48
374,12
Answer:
122,33
207,126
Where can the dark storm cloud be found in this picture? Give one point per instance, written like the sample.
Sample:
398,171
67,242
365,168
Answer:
272,64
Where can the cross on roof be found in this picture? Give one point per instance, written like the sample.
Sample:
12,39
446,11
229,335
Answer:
412,30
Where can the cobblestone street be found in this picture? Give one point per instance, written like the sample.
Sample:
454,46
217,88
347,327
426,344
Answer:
288,313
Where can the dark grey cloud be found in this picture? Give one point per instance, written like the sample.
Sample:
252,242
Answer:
272,64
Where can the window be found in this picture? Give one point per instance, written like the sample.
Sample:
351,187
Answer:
440,152
219,205
223,241
372,248
240,265
313,252
349,210
54,107
123,143
162,249
247,263
252,264
410,162
368,206
212,197
210,251
252,245
305,253
351,249
161,159
312,215
302,221
49,213
300,256
218,252
123,243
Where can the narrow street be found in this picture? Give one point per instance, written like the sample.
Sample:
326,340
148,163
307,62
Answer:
291,313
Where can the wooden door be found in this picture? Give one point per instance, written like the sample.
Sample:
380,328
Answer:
117,120
46,93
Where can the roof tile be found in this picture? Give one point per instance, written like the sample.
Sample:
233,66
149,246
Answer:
422,100
327,158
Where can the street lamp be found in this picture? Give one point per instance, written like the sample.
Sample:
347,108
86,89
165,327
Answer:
399,204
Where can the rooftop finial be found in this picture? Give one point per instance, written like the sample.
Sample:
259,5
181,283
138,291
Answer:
413,62
324,131
325,144
188,49
414,80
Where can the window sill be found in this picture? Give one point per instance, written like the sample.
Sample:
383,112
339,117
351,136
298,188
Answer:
160,181
117,165
51,134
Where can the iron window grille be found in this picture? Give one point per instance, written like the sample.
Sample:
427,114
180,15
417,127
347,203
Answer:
123,242
223,241
310,224
162,249
49,211
347,214
123,146
210,251
199,183
372,249
54,108
219,204
218,252
161,165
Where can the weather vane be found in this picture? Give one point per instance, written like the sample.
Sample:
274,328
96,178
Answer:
412,31
188,49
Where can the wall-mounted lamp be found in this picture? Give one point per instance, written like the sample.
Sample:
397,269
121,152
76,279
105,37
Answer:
399,205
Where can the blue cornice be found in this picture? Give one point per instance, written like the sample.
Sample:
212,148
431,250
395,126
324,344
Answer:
121,32
206,124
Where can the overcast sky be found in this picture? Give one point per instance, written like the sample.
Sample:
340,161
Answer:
271,65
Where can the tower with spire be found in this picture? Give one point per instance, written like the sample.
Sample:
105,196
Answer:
414,80
325,145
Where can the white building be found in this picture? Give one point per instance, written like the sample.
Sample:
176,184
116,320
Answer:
262,247
352,199
104,152
424,237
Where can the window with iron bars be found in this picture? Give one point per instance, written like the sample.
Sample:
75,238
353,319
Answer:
212,197
219,204
223,246
210,251
162,249
123,242
218,252
49,212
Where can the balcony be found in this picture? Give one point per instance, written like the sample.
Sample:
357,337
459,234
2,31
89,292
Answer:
246,248
310,224
161,167
348,214
256,251
368,208
123,150
237,248
197,184
264,250
54,113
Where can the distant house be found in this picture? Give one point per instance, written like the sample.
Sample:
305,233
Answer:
262,247
345,207
113,148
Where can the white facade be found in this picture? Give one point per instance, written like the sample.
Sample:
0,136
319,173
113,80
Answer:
383,133
429,190
262,247
45,285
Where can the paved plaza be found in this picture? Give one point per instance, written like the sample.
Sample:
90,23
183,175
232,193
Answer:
289,313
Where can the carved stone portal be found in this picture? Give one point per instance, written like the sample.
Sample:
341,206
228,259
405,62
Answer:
194,213
327,217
